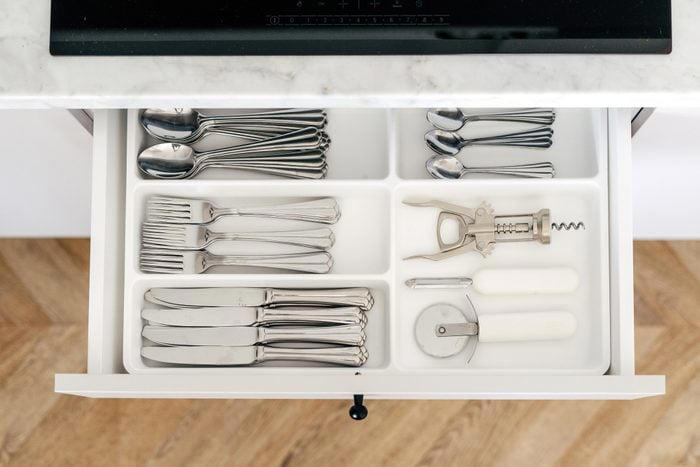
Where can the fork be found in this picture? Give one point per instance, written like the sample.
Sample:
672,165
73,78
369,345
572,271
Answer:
196,211
199,237
196,262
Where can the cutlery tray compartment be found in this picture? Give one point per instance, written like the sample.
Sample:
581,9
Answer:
359,148
579,143
377,162
377,328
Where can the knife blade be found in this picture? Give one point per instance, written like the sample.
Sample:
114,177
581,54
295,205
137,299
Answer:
235,356
243,336
251,316
208,297
204,355
256,296
216,316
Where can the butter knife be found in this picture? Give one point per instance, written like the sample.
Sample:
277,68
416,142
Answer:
252,316
243,336
253,296
251,355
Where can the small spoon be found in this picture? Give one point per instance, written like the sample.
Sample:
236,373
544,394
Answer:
188,125
446,142
449,167
453,119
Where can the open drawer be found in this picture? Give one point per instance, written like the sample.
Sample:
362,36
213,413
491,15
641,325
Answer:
386,176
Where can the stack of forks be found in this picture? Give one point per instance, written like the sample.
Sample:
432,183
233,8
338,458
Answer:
176,236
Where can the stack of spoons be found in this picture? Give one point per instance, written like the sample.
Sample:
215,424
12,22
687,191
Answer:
288,143
446,143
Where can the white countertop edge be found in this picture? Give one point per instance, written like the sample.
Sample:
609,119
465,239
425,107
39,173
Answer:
502,99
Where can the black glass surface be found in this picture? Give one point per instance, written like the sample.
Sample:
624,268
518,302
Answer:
235,27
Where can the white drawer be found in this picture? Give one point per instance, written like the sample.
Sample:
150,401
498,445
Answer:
389,377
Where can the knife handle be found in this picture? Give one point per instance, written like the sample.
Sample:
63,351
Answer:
359,296
311,316
341,335
347,356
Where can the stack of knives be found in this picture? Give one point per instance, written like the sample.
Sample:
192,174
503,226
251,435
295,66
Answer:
226,326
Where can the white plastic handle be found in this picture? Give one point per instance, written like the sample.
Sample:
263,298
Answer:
531,326
514,281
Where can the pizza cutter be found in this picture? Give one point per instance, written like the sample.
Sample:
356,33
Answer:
443,330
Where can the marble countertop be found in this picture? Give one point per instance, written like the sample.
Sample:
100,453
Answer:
31,78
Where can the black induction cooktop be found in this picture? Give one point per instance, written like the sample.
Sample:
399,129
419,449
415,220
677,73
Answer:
304,27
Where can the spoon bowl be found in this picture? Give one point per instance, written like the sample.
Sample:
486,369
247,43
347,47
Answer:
168,160
444,142
170,124
447,167
450,119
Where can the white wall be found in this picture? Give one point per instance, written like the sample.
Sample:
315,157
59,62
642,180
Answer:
45,183
45,180
666,154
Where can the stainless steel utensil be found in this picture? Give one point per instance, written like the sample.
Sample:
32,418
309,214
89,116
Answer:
445,142
507,281
253,316
453,119
450,168
188,126
237,336
291,164
480,229
195,211
235,356
174,160
443,330
360,297
199,237
196,262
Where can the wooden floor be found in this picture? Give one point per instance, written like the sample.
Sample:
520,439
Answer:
43,309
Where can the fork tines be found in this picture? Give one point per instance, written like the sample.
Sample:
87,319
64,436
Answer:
162,261
163,208
155,233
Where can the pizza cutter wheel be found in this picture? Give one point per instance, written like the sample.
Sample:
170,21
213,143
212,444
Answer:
443,330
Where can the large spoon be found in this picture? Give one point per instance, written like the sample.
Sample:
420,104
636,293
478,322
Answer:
452,119
449,167
446,142
188,125
178,161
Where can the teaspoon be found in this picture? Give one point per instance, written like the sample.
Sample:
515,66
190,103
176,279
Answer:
452,119
449,167
446,142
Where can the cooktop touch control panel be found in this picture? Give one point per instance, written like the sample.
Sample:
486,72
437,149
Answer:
257,27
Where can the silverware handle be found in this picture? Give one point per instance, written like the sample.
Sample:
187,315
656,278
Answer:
300,316
306,138
358,296
537,170
534,133
268,129
283,111
320,239
341,335
297,173
533,115
347,356
268,162
309,117
542,143
316,263
323,211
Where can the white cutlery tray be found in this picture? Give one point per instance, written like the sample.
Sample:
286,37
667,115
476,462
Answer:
376,161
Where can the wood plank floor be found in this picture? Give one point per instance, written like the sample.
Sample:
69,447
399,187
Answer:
43,309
